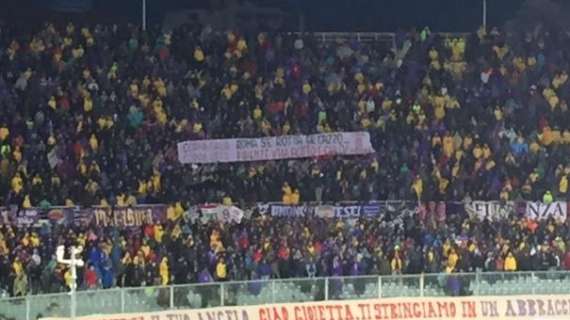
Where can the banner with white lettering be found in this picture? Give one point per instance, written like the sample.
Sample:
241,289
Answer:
338,211
541,211
491,210
122,217
274,148
347,211
543,307
278,210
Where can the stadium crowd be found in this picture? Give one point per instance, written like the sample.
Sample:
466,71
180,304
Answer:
91,116
264,247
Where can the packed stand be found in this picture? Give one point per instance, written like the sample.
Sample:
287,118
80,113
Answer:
92,115
264,247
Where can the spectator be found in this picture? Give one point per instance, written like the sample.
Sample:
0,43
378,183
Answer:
164,272
204,276
454,285
510,262
547,198
137,278
397,264
567,260
311,268
20,284
221,270
91,280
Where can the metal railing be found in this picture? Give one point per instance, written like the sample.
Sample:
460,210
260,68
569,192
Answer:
122,300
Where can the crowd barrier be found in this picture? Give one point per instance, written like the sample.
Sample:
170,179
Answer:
475,288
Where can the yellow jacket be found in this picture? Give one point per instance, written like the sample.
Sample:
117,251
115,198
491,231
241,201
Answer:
563,185
418,187
510,263
452,260
17,183
295,197
396,264
164,272
17,267
68,279
221,270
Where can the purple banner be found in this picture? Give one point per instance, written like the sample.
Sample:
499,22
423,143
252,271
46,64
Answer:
124,217
97,216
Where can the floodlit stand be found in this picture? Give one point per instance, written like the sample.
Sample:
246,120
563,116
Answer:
73,263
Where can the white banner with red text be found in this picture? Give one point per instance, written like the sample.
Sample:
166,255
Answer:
274,148
492,307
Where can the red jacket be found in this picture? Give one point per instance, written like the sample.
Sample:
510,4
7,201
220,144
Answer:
284,253
91,278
